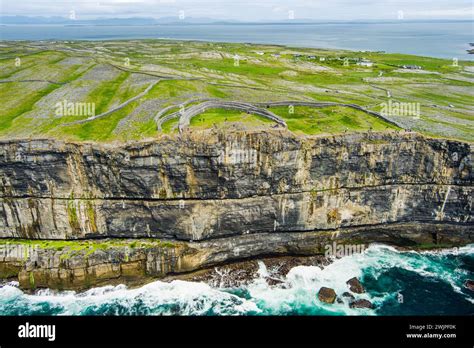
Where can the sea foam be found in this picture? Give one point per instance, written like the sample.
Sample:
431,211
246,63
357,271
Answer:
297,295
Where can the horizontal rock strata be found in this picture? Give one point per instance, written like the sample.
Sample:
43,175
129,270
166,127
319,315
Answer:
133,212
203,187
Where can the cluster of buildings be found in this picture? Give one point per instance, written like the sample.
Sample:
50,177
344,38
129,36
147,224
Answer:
411,67
296,56
275,55
363,62
359,61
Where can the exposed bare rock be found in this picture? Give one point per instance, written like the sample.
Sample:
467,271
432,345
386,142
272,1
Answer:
205,185
355,286
361,303
327,295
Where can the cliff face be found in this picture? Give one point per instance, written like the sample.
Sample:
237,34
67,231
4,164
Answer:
200,187
219,198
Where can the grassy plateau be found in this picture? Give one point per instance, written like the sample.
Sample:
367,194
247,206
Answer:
140,88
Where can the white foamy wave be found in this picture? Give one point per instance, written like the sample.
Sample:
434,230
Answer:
296,295
157,298
10,291
303,282
299,294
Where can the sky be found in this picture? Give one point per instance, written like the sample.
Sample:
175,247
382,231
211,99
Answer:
244,10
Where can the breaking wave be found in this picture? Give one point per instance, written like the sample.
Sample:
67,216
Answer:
397,283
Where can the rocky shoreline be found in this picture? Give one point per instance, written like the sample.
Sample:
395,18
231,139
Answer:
79,265
273,271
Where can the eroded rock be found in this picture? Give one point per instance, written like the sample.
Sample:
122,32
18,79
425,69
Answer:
206,186
361,303
355,286
327,295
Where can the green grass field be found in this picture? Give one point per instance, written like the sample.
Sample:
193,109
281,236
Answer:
50,73
218,116
330,120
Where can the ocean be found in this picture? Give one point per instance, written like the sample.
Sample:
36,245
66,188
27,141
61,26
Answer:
397,283
448,39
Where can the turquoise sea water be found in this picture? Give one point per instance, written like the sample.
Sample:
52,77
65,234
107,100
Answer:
398,283
443,39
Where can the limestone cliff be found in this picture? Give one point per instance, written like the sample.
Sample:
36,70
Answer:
196,188
223,196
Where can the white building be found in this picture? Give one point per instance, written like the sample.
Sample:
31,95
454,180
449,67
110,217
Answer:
366,63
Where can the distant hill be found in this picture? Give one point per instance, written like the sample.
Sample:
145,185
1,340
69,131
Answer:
174,20
24,20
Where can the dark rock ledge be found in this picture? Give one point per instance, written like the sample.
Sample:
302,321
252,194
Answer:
89,263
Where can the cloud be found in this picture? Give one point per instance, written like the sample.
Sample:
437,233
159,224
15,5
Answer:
461,12
245,9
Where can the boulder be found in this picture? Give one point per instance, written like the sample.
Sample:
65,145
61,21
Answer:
469,284
327,295
361,303
355,286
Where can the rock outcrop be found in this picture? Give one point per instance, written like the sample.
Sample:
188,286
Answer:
355,286
83,264
361,303
327,295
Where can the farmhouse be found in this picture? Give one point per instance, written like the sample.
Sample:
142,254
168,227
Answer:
366,63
